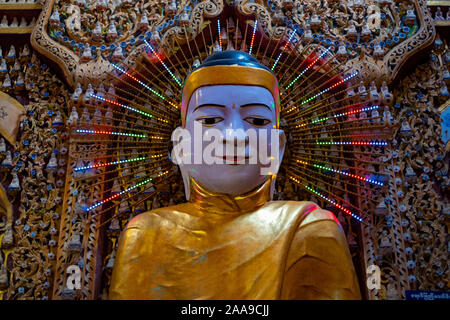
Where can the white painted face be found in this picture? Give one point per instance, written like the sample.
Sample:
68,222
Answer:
236,164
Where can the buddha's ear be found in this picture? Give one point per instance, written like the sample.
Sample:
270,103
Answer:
177,155
282,146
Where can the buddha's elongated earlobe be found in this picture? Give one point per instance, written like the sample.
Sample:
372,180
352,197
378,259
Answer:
186,181
282,145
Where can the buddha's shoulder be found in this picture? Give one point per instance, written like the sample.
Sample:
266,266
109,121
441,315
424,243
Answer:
156,217
306,212
313,224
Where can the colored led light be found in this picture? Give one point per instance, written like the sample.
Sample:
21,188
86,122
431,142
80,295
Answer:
307,68
284,48
354,143
142,84
108,164
324,91
329,88
253,36
162,62
127,134
339,115
342,172
220,35
319,120
122,192
355,111
121,105
358,218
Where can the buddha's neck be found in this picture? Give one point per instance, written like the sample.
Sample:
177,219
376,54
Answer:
219,204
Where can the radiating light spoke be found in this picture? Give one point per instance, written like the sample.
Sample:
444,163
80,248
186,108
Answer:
121,105
284,48
253,37
124,191
127,134
351,175
143,84
337,205
162,62
108,164
337,116
308,67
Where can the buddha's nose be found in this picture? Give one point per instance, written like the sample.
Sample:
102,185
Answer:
234,137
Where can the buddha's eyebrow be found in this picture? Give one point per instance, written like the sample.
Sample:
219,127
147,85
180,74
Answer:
255,105
209,105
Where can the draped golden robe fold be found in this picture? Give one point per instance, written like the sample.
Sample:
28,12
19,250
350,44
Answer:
224,247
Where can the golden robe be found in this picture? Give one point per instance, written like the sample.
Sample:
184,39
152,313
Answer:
222,247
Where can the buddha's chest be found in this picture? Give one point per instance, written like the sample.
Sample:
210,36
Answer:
228,265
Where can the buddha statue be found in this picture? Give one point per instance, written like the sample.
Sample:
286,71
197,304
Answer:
391,290
410,16
278,16
362,91
2,145
378,52
14,23
172,8
111,34
155,37
117,54
75,242
308,37
98,116
73,117
116,187
7,162
387,117
87,54
438,14
15,182
55,19
351,31
341,54
3,66
373,93
11,53
366,34
85,116
229,240
52,163
6,82
88,94
143,23
315,20
4,22
3,275
111,92
97,34
184,18
23,22
375,114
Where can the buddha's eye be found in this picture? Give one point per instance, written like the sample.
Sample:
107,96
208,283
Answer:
258,122
210,121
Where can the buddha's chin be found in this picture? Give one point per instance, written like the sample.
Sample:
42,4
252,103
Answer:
229,179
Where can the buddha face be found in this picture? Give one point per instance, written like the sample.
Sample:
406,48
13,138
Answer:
233,144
